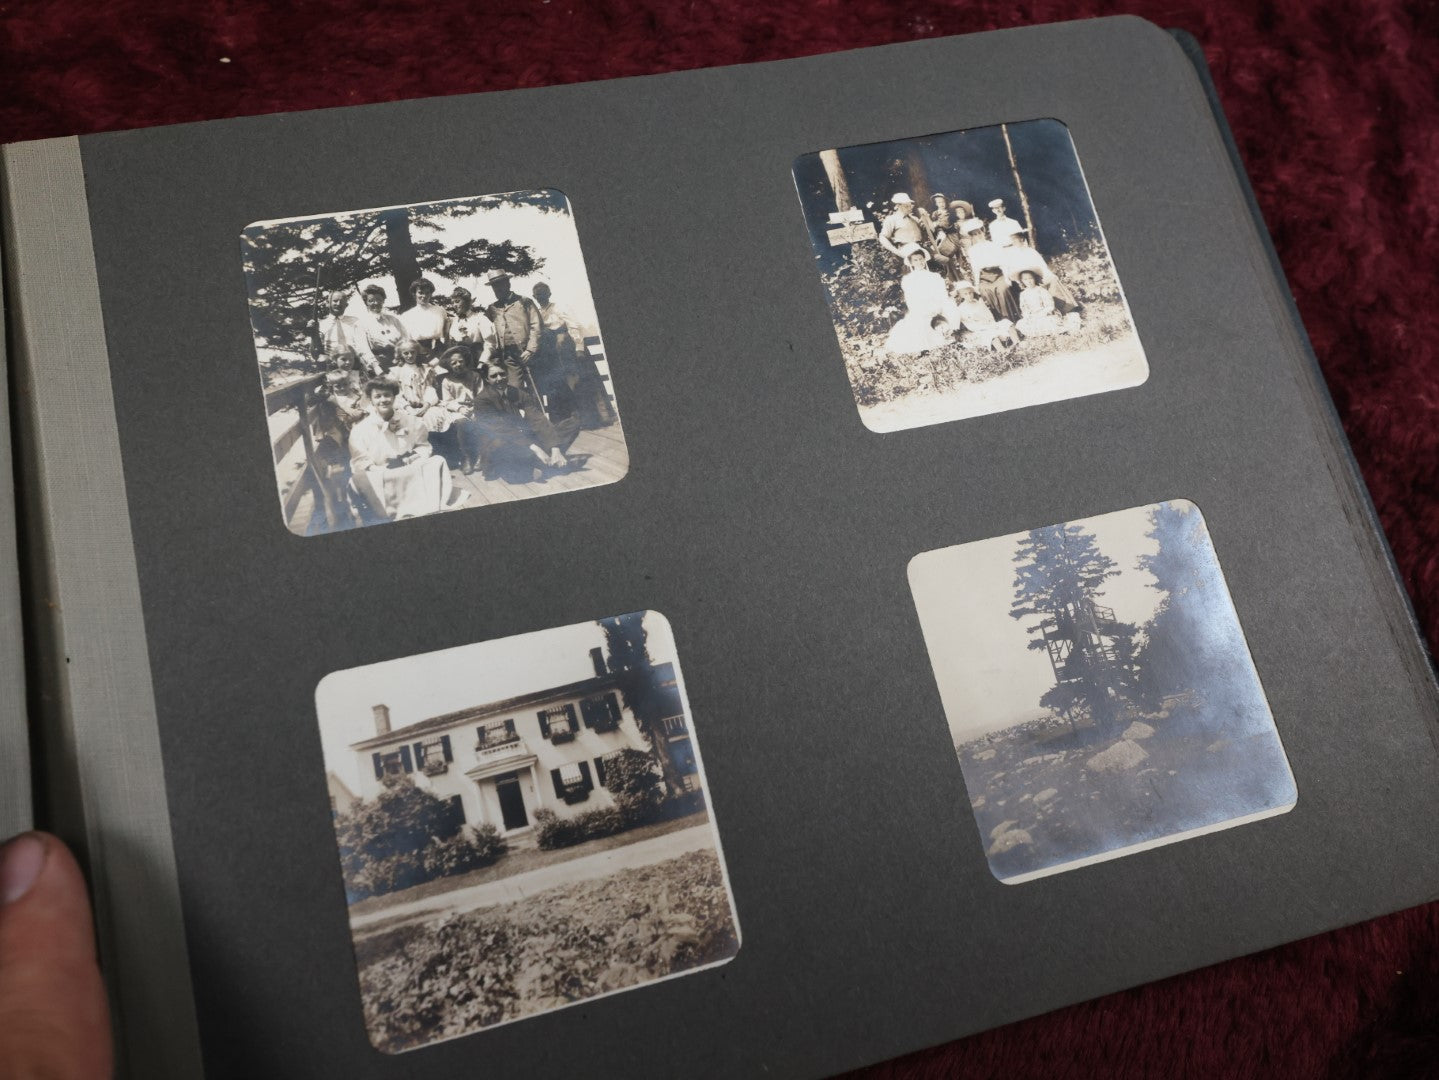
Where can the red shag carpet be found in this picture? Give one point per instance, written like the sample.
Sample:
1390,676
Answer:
1334,109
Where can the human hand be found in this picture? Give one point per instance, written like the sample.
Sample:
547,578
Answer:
54,1020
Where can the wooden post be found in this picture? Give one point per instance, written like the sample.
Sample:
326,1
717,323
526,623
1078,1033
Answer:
1023,199
832,169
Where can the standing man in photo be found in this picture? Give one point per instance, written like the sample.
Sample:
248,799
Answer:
517,331
341,334
903,227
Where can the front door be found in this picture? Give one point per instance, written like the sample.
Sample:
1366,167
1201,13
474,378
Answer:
512,802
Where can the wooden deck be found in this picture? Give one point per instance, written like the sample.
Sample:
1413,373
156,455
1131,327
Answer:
608,461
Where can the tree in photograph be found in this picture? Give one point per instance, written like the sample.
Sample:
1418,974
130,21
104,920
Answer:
1059,575
290,266
1190,637
629,660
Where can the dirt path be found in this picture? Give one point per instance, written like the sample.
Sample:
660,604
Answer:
506,890
1054,378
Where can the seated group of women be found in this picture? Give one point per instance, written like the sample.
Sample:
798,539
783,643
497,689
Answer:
939,311
385,430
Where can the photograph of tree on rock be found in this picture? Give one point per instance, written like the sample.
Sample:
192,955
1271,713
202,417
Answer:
417,359
967,274
1099,690
522,825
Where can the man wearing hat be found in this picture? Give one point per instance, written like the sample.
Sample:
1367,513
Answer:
904,227
1002,228
517,329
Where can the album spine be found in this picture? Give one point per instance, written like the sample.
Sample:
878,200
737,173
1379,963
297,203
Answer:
97,776
16,809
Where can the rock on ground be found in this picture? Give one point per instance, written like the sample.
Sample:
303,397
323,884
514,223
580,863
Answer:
1003,825
1004,841
1123,755
1045,795
1138,730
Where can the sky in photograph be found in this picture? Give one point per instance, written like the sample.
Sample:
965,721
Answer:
988,678
417,688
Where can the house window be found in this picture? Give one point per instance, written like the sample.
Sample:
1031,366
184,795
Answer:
495,733
572,781
601,712
433,755
558,724
392,763
601,764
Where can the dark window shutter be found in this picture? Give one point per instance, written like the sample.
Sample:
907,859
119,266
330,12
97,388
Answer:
405,762
510,726
600,770
379,765
445,746
570,715
614,707
419,755
457,811
587,712
585,773
544,725
559,784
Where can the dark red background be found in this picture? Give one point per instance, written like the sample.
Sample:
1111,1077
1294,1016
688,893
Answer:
1334,109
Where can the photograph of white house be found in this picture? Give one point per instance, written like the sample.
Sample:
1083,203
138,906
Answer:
493,800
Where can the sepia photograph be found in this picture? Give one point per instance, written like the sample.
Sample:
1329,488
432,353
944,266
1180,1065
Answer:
1099,690
418,359
967,274
523,824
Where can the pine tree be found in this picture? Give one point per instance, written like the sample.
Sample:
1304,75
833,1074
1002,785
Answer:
1190,641
629,660
1060,573
291,265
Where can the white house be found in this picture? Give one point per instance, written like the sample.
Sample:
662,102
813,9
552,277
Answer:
502,761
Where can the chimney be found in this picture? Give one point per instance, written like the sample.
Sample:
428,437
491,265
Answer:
382,719
597,657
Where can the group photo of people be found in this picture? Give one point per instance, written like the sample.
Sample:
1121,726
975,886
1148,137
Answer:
967,274
425,358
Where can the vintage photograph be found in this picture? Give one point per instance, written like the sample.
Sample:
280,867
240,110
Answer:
416,359
967,274
522,824
1098,688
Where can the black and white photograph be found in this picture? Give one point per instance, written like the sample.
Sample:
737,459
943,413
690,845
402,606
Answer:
1099,690
418,359
967,274
523,824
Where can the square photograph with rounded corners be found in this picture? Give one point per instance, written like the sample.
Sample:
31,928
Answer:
418,359
966,274
1099,690
523,824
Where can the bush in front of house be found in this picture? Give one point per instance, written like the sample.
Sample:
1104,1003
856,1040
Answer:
553,831
472,847
406,836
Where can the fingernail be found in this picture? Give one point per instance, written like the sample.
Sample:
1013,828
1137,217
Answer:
20,863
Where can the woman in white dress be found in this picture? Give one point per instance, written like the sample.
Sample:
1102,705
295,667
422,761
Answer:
418,380
931,316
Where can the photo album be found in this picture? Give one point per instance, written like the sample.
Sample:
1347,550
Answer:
867,556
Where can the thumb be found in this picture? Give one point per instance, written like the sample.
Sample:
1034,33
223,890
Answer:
54,1021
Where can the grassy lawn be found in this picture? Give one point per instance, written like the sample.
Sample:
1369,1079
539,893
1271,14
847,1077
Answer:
517,862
